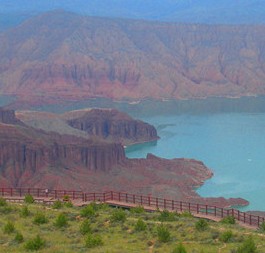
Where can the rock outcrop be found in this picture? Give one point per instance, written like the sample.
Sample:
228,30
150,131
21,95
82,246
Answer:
111,124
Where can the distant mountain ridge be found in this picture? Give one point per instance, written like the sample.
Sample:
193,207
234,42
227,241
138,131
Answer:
64,55
192,11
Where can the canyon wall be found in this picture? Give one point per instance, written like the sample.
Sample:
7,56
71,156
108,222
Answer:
63,55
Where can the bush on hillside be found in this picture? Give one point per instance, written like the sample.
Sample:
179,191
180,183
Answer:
248,246
85,227
201,225
140,225
118,215
165,215
19,238
9,227
40,218
228,220
24,212
226,236
163,234
35,244
93,241
61,221
28,199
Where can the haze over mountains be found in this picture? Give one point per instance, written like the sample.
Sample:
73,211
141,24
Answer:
78,57
191,11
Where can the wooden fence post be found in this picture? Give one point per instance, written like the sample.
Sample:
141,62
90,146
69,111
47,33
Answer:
156,202
173,206
165,204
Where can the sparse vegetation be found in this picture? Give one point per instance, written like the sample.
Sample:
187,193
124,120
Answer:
61,221
35,244
85,227
9,227
24,212
140,225
40,218
248,246
101,232
163,233
228,220
93,241
165,215
29,199
201,225
118,215
226,236
57,204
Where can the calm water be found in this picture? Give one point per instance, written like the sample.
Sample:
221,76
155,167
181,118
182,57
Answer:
231,144
228,135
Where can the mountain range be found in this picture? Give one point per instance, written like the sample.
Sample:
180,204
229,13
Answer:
65,55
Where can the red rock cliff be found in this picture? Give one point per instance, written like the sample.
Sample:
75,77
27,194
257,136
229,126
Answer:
22,156
112,124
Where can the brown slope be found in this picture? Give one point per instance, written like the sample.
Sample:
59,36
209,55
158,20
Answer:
64,55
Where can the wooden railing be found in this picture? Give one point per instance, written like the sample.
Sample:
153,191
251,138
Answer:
141,200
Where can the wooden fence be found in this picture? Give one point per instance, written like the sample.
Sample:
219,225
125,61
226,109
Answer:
141,200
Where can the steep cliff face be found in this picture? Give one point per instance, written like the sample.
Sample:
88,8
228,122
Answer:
111,124
9,117
22,156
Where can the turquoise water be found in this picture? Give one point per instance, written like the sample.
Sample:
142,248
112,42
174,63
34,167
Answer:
231,144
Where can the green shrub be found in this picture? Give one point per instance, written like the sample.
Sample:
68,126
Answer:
24,212
179,249
18,238
248,246
29,199
57,204
68,204
228,220
201,225
118,215
88,211
163,234
9,227
137,210
227,236
35,244
61,221
140,225
3,202
165,215
85,227
40,218
93,241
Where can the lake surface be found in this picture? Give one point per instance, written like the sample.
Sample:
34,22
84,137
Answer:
228,135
